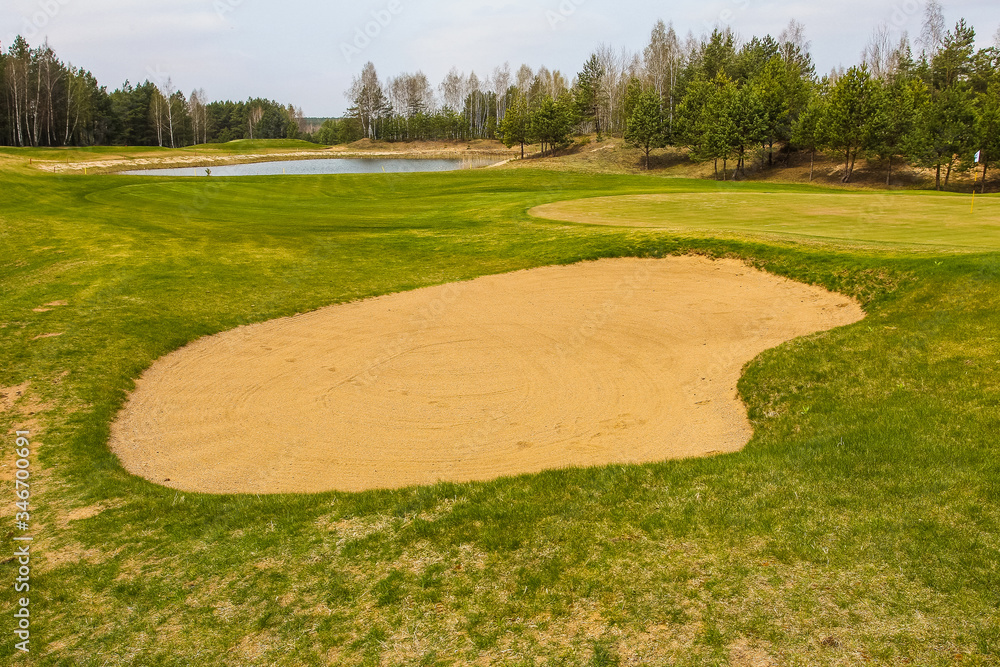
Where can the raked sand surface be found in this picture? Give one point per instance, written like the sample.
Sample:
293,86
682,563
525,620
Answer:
611,361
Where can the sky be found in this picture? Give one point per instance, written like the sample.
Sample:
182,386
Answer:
305,52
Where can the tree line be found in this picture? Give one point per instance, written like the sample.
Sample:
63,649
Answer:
46,102
741,104
933,103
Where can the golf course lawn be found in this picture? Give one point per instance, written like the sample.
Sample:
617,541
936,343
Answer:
860,525
925,220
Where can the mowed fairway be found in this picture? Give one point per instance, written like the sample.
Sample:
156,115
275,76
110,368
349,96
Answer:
925,220
859,525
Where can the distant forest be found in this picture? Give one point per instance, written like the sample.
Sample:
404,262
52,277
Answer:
932,102
46,102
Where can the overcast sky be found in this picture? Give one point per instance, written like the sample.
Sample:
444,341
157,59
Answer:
305,52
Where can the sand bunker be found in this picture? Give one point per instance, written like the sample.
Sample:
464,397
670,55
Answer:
614,361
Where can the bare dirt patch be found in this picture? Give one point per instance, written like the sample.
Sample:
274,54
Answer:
614,361
11,395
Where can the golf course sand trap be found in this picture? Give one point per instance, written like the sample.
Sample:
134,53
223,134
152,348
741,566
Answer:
612,361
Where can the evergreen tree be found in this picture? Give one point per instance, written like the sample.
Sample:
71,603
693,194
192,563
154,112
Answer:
588,90
645,123
551,123
942,131
987,124
772,89
953,63
806,133
852,116
515,126
903,97
748,116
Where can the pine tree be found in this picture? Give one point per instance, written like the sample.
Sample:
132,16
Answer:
852,116
645,127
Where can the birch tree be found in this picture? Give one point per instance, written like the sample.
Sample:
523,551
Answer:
5,125
879,53
612,86
933,29
664,59
158,113
452,90
167,92
369,104
254,115
501,80
199,117
525,75
17,68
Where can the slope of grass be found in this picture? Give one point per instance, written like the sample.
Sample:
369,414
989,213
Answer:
859,526
258,145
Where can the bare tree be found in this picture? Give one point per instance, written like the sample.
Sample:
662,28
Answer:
16,74
655,59
501,84
369,100
934,28
71,97
633,67
880,52
613,81
452,90
168,94
474,104
198,112
996,39
158,113
664,59
50,73
794,35
410,94
525,75
540,85
395,92
36,105
691,47
296,117
254,116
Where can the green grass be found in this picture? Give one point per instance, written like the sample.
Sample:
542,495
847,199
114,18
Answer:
918,220
859,526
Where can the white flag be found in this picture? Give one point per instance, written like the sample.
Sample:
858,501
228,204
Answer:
978,153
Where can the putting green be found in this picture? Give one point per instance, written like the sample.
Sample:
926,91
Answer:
912,219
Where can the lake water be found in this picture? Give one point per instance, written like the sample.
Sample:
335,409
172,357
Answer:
321,166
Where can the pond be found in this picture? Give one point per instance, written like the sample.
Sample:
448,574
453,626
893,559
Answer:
322,166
